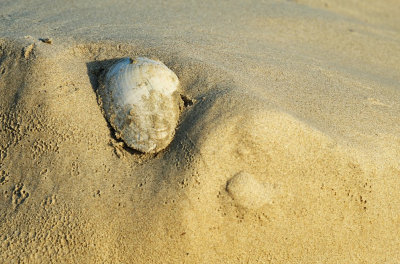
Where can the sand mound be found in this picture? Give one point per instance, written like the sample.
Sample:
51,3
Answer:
72,191
282,154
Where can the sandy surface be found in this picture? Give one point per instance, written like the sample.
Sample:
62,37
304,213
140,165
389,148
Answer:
289,153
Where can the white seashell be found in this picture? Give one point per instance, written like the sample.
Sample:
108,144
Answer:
141,101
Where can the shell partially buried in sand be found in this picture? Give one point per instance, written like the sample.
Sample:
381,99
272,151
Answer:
141,101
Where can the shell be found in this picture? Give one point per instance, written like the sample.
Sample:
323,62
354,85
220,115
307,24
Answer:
141,102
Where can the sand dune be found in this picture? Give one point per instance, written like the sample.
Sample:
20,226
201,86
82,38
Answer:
287,148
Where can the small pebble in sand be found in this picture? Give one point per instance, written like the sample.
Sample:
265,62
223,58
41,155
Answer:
141,101
247,191
47,40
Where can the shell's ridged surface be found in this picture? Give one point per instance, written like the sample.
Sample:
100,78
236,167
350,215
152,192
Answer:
141,101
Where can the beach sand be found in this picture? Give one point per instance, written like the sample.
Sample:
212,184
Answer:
287,149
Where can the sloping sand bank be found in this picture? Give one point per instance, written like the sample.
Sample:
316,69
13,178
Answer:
287,149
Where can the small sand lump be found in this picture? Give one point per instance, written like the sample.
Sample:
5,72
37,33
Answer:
141,101
247,191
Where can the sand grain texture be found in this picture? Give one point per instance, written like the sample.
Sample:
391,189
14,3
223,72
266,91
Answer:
301,97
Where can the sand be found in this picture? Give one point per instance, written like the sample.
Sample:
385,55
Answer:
287,149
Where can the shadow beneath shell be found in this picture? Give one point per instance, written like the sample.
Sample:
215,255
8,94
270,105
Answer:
96,70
